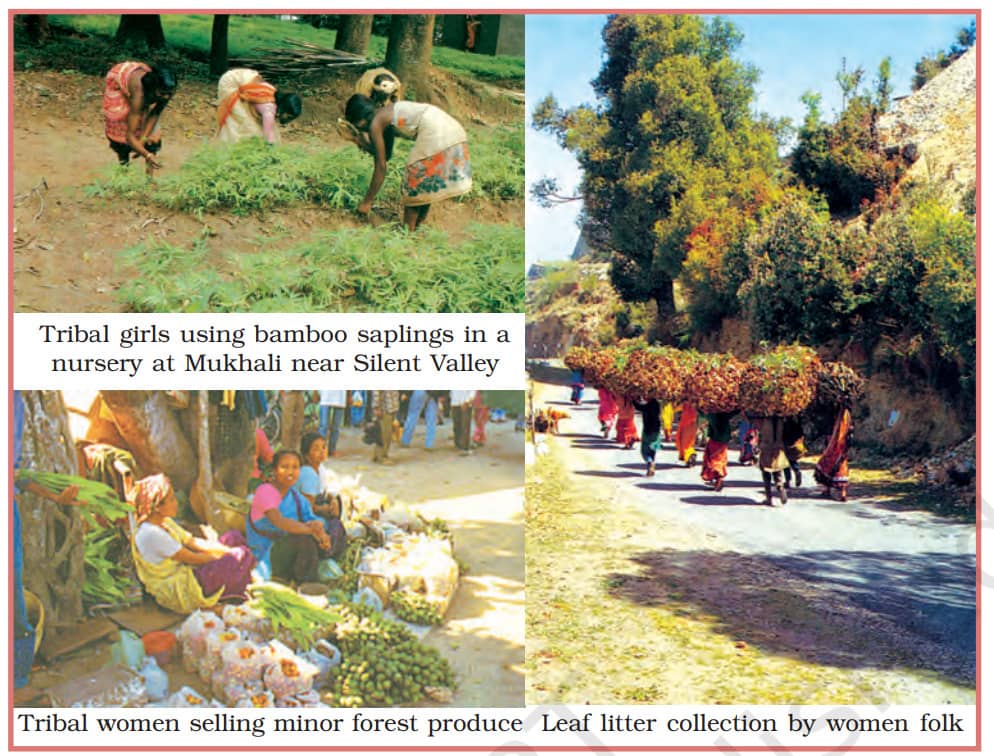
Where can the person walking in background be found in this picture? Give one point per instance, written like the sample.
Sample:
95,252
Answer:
772,459
748,442
715,465
461,405
651,425
607,410
421,401
626,433
668,414
135,94
481,414
331,412
793,442
385,406
576,386
686,435
832,470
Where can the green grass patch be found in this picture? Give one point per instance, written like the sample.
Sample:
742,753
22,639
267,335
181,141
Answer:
190,35
252,177
350,270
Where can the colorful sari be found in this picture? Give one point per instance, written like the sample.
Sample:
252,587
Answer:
607,409
715,465
438,166
686,432
117,105
626,432
667,418
832,469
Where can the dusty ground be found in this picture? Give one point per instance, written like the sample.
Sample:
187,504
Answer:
481,497
64,243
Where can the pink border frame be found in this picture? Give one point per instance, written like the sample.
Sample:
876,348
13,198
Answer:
12,12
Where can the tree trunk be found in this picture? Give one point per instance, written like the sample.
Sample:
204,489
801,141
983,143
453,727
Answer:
52,534
219,44
141,28
153,435
665,310
353,34
409,53
36,25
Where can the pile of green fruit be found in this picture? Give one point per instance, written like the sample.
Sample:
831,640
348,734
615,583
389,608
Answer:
411,606
383,663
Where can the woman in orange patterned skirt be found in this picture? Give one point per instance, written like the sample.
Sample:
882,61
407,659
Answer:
134,97
438,166
626,433
686,434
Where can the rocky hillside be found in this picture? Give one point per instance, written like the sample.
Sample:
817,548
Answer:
939,122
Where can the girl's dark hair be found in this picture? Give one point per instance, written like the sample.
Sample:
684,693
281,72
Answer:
361,108
160,80
284,453
308,441
288,105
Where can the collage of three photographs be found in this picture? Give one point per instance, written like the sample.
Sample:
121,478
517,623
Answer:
741,468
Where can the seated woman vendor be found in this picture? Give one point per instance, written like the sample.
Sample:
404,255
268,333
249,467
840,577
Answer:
183,573
286,537
314,451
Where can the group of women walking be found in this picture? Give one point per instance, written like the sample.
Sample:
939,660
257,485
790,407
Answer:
438,166
776,444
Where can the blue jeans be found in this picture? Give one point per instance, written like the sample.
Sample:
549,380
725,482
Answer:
335,414
420,400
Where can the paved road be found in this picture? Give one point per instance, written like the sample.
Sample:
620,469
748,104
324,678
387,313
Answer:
914,568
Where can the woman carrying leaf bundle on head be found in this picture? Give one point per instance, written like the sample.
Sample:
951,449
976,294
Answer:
438,166
248,107
832,470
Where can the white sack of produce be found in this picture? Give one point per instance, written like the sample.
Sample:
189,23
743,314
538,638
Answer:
262,700
247,619
193,634
426,566
216,643
245,661
187,698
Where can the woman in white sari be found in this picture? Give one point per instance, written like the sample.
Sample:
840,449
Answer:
250,107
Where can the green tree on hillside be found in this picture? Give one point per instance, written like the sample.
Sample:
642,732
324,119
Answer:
670,143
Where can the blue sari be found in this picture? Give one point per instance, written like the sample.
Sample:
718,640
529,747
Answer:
261,534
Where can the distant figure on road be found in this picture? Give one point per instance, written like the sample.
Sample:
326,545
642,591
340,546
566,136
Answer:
576,386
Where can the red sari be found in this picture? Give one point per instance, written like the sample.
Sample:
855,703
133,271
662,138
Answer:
686,432
832,469
607,407
715,465
627,433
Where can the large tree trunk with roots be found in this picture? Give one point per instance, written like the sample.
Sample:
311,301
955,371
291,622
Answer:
409,53
665,310
139,28
153,434
52,534
219,44
353,34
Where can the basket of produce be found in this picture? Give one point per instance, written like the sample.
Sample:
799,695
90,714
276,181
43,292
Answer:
839,384
713,382
779,383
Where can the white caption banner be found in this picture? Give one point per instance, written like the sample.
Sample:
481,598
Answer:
287,351
576,727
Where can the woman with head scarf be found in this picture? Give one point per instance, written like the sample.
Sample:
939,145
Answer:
250,107
183,573
134,97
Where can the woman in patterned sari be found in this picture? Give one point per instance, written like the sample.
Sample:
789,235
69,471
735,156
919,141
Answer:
438,166
832,470
250,107
134,97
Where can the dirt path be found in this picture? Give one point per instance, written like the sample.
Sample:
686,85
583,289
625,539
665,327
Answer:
711,598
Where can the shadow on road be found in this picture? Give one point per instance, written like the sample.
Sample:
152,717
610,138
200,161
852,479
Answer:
824,607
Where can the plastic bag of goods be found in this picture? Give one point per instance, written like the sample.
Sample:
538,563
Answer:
244,660
247,619
325,656
263,700
329,571
289,675
400,516
187,698
216,641
193,636
369,597
236,690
